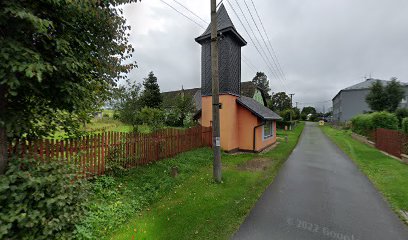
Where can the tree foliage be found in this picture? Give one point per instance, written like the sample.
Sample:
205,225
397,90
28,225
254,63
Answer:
261,80
58,56
308,110
41,200
285,114
394,93
153,117
125,100
405,125
182,111
151,96
280,101
364,124
376,98
385,98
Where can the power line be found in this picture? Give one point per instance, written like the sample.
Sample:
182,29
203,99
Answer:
219,3
256,47
190,11
253,33
263,39
248,64
245,59
269,41
312,103
253,67
183,14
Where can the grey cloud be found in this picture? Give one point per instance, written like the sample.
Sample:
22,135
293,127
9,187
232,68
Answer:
323,45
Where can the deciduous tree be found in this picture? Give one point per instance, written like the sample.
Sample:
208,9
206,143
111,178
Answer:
280,101
376,98
261,80
385,98
57,56
394,93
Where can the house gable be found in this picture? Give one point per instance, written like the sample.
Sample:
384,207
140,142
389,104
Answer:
258,96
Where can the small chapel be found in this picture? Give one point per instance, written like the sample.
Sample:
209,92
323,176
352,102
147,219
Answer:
246,124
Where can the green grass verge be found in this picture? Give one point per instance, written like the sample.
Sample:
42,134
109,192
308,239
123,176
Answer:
389,175
192,206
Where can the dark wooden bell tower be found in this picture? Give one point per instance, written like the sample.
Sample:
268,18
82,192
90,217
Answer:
229,56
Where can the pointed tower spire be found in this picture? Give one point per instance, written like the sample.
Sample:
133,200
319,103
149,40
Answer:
224,24
229,56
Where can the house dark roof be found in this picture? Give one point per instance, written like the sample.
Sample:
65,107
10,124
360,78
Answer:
366,85
170,97
224,24
258,109
248,90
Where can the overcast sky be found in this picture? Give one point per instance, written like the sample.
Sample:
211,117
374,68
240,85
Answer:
322,45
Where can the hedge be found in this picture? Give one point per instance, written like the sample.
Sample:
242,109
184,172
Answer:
405,125
363,124
385,120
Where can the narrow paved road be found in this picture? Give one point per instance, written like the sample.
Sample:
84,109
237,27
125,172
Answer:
320,194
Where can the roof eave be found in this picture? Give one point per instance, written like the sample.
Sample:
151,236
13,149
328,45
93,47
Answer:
242,41
256,114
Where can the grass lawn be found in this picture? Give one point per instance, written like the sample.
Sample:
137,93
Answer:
107,124
192,206
388,174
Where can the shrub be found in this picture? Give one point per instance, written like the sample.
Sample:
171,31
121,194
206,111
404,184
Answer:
285,114
362,124
152,117
384,120
347,125
116,116
405,125
401,113
40,200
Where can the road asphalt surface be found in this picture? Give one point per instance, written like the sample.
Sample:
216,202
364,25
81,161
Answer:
320,194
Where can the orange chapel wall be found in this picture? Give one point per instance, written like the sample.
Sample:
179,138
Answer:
228,120
237,125
247,122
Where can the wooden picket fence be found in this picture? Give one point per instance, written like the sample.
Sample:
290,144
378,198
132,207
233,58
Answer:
96,154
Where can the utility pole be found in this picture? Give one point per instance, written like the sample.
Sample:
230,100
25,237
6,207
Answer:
215,95
291,109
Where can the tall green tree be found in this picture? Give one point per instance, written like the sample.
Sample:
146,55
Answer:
376,98
385,98
308,110
394,93
151,96
261,80
55,56
280,101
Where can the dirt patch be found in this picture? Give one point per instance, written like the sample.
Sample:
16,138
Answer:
257,164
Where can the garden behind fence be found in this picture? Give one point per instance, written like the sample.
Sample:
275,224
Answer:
98,153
